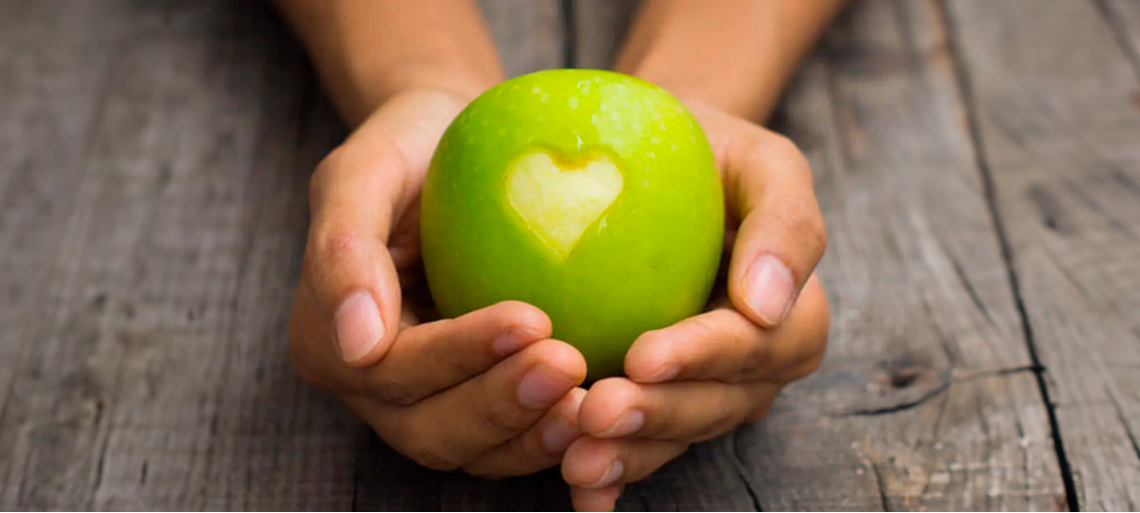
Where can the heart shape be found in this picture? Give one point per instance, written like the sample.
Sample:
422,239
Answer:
558,203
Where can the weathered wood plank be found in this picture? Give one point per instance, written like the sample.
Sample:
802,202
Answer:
159,378
1056,111
1124,18
927,398
528,33
600,27
919,291
49,96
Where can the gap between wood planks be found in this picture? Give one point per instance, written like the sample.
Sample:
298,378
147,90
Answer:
961,75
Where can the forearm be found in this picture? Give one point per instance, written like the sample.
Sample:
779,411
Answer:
733,54
366,51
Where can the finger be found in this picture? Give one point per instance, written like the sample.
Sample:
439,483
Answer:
310,348
782,237
540,447
688,411
724,345
431,357
347,267
595,499
451,428
593,463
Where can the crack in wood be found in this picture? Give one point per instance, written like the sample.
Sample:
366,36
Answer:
738,462
1119,33
963,78
935,392
99,466
881,486
569,33
1124,421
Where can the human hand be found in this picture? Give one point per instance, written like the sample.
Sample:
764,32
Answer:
708,374
487,392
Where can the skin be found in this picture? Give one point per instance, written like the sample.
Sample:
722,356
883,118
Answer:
477,249
490,392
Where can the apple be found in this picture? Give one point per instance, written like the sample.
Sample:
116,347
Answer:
590,194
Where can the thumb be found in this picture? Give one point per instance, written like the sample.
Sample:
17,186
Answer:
782,236
347,266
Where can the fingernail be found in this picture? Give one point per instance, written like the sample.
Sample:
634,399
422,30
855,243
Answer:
542,387
769,288
515,338
559,435
612,475
627,424
358,326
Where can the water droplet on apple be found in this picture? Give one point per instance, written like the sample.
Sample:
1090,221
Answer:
573,103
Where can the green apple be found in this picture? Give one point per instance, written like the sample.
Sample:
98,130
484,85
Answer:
589,194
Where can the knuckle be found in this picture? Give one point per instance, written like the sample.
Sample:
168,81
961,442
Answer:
790,154
502,417
391,389
703,328
335,244
325,171
327,252
803,220
412,439
754,362
723,420
432,457
768,150
803,368
813,364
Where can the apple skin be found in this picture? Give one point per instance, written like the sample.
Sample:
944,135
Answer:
647,262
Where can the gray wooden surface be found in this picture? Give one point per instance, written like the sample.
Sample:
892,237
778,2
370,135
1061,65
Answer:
977,161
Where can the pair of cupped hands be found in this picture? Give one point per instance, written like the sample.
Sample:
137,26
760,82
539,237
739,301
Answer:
490,392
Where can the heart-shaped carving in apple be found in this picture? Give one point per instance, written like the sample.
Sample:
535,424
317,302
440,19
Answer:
589,194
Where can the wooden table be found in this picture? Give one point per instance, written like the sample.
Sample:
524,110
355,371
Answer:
978,163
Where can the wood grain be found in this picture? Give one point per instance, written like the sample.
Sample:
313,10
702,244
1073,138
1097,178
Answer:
157,375
927,399
924,313
1055,106
528,34
153,167
49,97
600,27
1124,18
